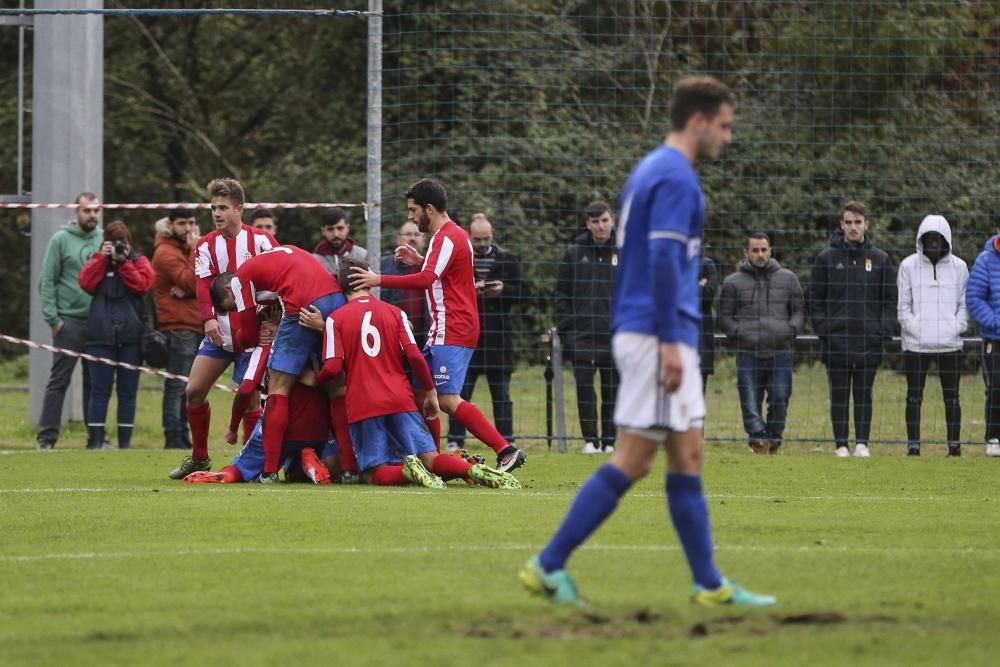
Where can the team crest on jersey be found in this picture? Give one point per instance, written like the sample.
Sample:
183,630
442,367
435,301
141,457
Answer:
197,264
868,265
247,256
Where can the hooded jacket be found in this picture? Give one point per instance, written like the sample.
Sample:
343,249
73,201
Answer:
330,258
173,265
59,287
932,313
762,309
982,296
584,290
852,298
118,312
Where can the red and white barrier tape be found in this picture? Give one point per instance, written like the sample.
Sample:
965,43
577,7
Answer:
102,360
189,205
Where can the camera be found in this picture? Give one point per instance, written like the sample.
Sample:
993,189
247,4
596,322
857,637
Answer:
119,247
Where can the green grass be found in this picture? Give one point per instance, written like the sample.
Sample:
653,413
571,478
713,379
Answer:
106,562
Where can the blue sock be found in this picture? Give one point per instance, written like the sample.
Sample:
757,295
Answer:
596,501
689,512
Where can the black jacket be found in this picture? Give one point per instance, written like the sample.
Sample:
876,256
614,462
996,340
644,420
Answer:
117,315
852,301
706,344
584,290
496,335
762,309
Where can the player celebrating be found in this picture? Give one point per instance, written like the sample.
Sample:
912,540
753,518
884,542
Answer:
656,321
225,248
366,339
297,280
449,281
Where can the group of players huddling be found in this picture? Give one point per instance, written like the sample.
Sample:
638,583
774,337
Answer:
330,356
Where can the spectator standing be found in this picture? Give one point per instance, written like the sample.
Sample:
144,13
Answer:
411,302
932,317
982,298
265,220
708,284
337,242
177,316
117,278
853,307
761,309
499,286
584,289
65,307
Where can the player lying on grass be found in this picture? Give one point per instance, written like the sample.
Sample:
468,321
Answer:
366,340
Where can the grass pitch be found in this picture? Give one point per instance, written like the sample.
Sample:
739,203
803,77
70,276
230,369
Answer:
104,561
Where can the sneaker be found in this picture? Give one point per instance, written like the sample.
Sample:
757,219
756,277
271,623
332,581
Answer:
760,446
484,476
267,478
774,447
732,593
510,459
203,477
861,451
45,445
843,452
349,477
590,448
993,447
453,446
414,470
608,449
190,465
913,450
466,456
954,450
557,587
314,468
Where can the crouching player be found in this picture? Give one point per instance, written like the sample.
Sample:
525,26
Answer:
305,441
366,340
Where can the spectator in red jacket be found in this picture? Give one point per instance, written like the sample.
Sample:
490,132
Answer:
177,314
117,277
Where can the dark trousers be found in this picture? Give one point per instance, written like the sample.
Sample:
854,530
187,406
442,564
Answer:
584,371
991,376
71,337
845,379
503,407
915,366
755,377
126,383
183,345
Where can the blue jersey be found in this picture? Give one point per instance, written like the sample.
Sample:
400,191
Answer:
659,242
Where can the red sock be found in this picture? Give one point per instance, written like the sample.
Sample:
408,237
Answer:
450,467
249,422
275,423
338,417
434,426
388,475
199,417
240,404
231,474
477,423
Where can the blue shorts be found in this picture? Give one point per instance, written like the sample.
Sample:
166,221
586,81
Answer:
448,364
241,360
250,460
389,439
293,343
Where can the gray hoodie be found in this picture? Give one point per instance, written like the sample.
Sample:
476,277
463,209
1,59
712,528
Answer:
762,309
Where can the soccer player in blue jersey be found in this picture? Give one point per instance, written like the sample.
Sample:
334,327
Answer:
656,318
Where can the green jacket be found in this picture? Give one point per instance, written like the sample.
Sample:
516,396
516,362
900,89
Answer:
68,250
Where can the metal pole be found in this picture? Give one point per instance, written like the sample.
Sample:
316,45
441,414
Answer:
558,394
374,150
20,108
66,151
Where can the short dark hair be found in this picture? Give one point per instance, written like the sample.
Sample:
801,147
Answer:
596,209
176,213
217,290
117,231
854,207
344,273
698,94
262,213
757,236
332,216
89,196
428,192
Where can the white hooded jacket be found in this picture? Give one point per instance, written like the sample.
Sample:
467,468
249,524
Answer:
931,309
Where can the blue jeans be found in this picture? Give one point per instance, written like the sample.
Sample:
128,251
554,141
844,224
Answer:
102,377
756,376
183,346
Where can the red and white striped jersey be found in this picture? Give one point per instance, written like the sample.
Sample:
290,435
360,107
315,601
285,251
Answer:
217,254
451,299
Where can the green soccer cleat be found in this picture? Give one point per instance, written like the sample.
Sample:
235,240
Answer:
730,593
558,587
190,465
486,476
415,471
